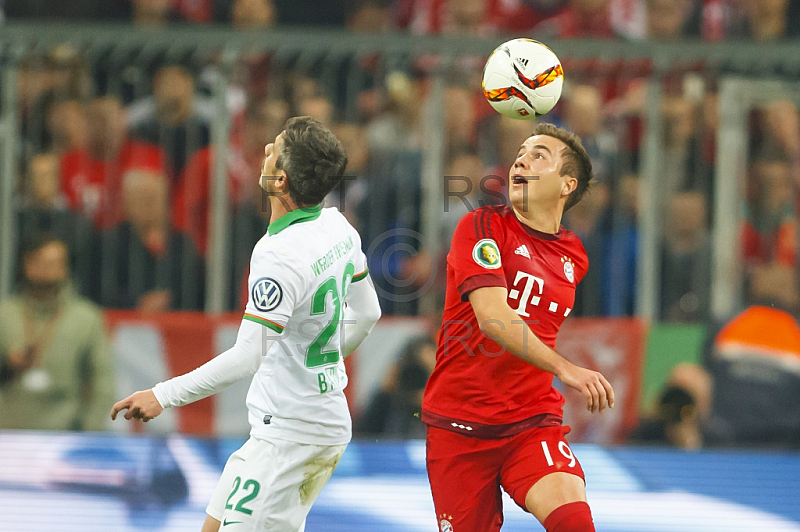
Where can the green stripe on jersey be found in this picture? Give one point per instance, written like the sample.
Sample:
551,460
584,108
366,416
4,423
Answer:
265,322
359,276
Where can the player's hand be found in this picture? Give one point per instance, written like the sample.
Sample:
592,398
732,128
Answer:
140,405
595,388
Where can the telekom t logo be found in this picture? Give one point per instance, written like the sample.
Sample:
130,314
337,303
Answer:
531,281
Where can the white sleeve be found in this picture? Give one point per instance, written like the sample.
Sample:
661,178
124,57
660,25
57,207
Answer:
275,286
362,312
240,361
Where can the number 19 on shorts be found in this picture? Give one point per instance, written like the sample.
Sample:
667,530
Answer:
563,448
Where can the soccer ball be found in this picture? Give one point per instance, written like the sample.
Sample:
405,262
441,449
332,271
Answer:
522,79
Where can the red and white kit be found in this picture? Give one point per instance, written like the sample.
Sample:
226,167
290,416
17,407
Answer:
490,415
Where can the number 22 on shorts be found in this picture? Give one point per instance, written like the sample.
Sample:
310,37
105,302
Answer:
563,448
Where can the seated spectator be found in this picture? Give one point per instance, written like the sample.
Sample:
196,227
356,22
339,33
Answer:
583,115
766,20
91,175
264,119
770,229
55,369
589,219
146,264
621,251
581,18
153,12
369,16
667,19
318,107
174,119
352,191
686,260
44,211
67,125
253,14
393,412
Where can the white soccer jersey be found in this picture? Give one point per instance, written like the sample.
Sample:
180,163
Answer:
300,272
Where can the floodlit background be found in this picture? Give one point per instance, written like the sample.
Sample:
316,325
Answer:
131,138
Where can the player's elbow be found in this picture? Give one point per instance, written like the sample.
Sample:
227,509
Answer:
491,327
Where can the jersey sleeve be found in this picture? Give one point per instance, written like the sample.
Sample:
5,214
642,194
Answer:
475,254
274,287
359,260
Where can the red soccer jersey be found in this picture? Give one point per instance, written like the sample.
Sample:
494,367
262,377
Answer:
93,187
475,380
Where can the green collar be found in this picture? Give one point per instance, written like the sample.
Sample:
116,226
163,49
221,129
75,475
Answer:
302,214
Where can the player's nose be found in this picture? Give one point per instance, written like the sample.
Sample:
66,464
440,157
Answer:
268,149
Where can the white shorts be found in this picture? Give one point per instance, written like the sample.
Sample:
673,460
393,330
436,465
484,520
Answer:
270,485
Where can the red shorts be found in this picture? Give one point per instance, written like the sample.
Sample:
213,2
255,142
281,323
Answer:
466,473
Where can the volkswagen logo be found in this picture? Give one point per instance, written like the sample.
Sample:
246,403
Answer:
267,294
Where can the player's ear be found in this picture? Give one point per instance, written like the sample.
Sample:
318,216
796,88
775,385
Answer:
569,184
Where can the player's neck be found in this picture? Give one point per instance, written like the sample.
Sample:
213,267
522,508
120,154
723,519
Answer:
281,206
541,219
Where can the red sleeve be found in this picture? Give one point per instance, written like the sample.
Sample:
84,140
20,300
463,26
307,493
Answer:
475,253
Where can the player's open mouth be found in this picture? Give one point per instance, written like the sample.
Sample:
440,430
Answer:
519,179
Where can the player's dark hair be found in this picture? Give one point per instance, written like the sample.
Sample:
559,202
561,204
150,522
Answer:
576,162
313,158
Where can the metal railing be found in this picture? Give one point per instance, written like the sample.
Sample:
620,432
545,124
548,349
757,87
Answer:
306,49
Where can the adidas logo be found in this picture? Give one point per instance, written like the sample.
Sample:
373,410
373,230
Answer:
522,61
522,250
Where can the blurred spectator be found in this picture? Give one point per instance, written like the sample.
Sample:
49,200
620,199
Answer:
67,125
459,117
770,228
91,175
174,119
514,16
583,115
686,260
782,128
766,20
621,251
684,167
682,411
146,264
589,219
755,363
464,179
44,211
353,188
667,19
153,12
191,203
394,410
369,16
55,370
317,107
252,14
581,18
397,127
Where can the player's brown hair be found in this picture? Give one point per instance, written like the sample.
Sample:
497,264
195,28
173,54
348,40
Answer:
313,158
576,162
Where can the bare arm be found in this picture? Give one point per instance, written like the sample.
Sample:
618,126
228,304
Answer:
500,322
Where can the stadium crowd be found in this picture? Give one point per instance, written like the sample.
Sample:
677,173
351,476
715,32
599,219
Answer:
117,156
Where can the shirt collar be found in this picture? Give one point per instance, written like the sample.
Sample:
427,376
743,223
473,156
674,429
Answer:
301,214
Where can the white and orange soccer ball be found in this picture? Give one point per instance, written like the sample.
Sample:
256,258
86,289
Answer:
522,79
